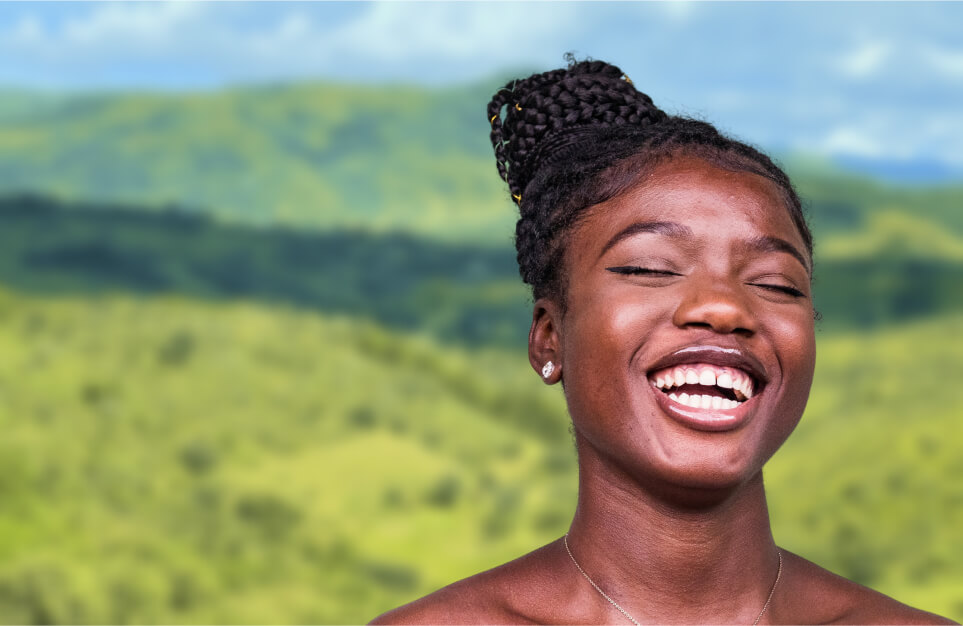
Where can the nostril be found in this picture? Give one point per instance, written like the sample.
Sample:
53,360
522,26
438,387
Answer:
720,328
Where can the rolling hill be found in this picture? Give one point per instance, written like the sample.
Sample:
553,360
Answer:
170,461
330,156
261,360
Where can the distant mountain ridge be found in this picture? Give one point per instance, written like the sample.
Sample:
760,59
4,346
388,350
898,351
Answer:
325,156
317,156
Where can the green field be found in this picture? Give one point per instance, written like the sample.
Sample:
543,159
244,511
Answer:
166,460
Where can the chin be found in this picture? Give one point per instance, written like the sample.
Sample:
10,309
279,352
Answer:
709,481
695,468
716,477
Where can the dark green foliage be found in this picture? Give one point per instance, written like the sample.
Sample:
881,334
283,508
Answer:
464,293
457,292
198,457
444,493
394,577
867,292
268,514
177,350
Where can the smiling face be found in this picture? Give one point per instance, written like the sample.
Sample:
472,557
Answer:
687,343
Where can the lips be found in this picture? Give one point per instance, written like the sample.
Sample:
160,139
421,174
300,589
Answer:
708,387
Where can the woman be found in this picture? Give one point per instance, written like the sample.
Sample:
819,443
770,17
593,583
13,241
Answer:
671,269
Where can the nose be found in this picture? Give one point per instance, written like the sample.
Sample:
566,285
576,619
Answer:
715,304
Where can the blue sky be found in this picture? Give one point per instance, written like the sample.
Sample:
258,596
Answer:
875,85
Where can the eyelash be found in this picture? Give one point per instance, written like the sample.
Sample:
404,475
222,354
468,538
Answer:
632,270
640,271
790,291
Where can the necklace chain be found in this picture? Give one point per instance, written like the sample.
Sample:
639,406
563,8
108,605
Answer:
633,620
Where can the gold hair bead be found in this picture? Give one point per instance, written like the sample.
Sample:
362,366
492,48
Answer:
493,118
627,79
518,107
517,197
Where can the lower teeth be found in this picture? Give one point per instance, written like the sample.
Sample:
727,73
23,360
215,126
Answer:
704,402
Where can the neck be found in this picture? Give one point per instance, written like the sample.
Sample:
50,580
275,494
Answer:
685,556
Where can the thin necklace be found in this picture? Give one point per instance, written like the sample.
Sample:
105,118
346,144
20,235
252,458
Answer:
633,620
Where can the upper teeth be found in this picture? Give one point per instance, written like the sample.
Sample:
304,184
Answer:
703,374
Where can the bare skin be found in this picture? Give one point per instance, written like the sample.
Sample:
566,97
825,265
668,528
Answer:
695,265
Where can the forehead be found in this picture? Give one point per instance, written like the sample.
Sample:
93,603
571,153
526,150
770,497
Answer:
715,203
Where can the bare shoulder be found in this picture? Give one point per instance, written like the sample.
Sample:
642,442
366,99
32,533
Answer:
462,602
525,592
491,597
824,597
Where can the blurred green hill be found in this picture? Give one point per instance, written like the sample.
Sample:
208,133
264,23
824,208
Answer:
329,156
310,155
468,292
170,461
364,165
262,360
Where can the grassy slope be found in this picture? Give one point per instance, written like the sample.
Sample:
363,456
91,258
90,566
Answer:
867,486
169,461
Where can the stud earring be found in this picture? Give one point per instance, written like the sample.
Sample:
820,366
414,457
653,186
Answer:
548,369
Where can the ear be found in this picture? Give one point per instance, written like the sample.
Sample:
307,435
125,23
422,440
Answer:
544,340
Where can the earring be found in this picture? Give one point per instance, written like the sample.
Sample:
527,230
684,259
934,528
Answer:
548,369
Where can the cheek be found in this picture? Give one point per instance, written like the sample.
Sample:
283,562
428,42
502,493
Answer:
600,345
611,328
795,339
803,337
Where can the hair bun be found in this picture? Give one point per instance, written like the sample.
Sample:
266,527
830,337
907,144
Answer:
549,111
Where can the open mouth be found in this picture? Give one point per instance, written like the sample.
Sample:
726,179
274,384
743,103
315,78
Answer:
705,386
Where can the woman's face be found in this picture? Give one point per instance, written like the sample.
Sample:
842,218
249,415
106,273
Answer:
687,344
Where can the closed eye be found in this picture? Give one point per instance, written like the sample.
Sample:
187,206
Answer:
791,291
641,271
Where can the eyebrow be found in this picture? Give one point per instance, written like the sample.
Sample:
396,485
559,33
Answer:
669,229
766,243
762,243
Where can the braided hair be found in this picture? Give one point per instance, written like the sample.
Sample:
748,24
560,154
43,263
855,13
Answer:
571,138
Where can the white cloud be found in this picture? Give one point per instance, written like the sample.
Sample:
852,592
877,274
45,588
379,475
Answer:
894,136
866,60
294,40
467,40
496,32
129,24
109,34
946,62
853,142
677,10
28,30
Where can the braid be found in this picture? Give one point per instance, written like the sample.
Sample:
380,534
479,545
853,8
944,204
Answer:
574,137
588,93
